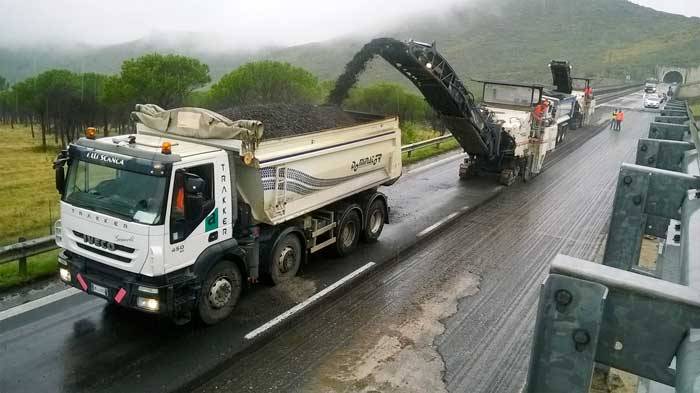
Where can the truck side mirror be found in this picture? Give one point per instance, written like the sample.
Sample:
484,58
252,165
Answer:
60,180
58,165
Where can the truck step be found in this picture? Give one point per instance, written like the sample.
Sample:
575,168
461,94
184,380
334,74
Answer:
321,231
323,245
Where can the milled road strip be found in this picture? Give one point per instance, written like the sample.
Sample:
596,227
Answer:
308,302
34,304
397,353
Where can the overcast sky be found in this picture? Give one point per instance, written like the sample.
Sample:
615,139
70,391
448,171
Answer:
245,23
683,7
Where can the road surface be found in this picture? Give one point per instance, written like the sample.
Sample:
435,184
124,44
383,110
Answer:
490,260
455,314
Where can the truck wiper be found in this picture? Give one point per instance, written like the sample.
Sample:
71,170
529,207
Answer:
115,212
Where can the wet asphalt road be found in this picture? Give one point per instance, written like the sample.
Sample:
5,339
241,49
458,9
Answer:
79,344
377,330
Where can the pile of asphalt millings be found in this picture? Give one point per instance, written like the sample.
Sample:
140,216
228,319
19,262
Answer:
283,120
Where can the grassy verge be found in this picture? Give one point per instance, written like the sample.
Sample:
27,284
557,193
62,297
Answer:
30,200
412,133
695,107
430,151
38,266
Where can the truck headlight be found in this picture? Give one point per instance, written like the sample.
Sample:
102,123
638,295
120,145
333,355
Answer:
65,274
57,231
146,303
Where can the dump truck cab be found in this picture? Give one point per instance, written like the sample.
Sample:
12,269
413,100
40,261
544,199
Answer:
137,212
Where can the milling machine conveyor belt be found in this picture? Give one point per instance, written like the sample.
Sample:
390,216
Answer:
441,87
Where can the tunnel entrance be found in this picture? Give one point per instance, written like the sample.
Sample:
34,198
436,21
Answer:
673,77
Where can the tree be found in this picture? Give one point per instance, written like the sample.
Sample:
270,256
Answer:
389,98
91,109
56,96
265,82
118,99
4,84
166,80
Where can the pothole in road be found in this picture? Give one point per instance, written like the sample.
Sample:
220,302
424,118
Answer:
399,356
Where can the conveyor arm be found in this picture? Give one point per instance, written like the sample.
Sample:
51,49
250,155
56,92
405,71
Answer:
443,90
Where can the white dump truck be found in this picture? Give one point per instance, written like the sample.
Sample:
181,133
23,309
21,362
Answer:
175,218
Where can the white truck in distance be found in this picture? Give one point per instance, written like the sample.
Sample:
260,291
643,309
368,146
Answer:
174,219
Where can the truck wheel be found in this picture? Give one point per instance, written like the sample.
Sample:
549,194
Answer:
348,233
220,292
285,259
376,216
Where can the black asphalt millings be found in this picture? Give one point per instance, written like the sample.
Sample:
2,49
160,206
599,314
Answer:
283,120
355,67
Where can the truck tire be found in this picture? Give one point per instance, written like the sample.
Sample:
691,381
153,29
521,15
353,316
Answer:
285,258
375,217
348,233
220,292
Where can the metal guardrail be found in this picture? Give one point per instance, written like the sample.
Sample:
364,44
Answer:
619,314
428,142
26,248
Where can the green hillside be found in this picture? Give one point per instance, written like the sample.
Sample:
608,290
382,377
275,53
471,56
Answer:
504,39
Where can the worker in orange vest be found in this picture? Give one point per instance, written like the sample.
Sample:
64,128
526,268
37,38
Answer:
620,117
538,113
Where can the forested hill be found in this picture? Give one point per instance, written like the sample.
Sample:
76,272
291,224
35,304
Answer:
504,39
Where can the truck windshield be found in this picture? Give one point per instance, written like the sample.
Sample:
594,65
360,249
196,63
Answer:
127,195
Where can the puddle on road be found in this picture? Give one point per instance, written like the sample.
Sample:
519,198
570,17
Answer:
399,356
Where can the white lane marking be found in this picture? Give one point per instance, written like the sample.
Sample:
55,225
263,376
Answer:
22,308
306,303
436,163
438,224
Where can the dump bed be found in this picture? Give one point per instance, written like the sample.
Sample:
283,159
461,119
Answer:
286,177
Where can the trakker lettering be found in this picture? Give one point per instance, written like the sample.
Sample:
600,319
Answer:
105,158
367,161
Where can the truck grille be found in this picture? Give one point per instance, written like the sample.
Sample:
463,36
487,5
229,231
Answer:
102,247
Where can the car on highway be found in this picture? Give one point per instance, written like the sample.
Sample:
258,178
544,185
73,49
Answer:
652,101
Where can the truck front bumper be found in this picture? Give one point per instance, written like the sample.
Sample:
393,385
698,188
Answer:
165,296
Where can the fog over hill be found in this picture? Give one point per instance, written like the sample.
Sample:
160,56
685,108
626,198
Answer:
504,39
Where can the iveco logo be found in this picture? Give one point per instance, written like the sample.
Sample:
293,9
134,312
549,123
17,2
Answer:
99,243
103,157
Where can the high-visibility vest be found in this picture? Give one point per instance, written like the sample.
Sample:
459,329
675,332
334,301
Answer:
620,116
180,200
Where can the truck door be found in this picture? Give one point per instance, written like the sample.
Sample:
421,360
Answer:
199,211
